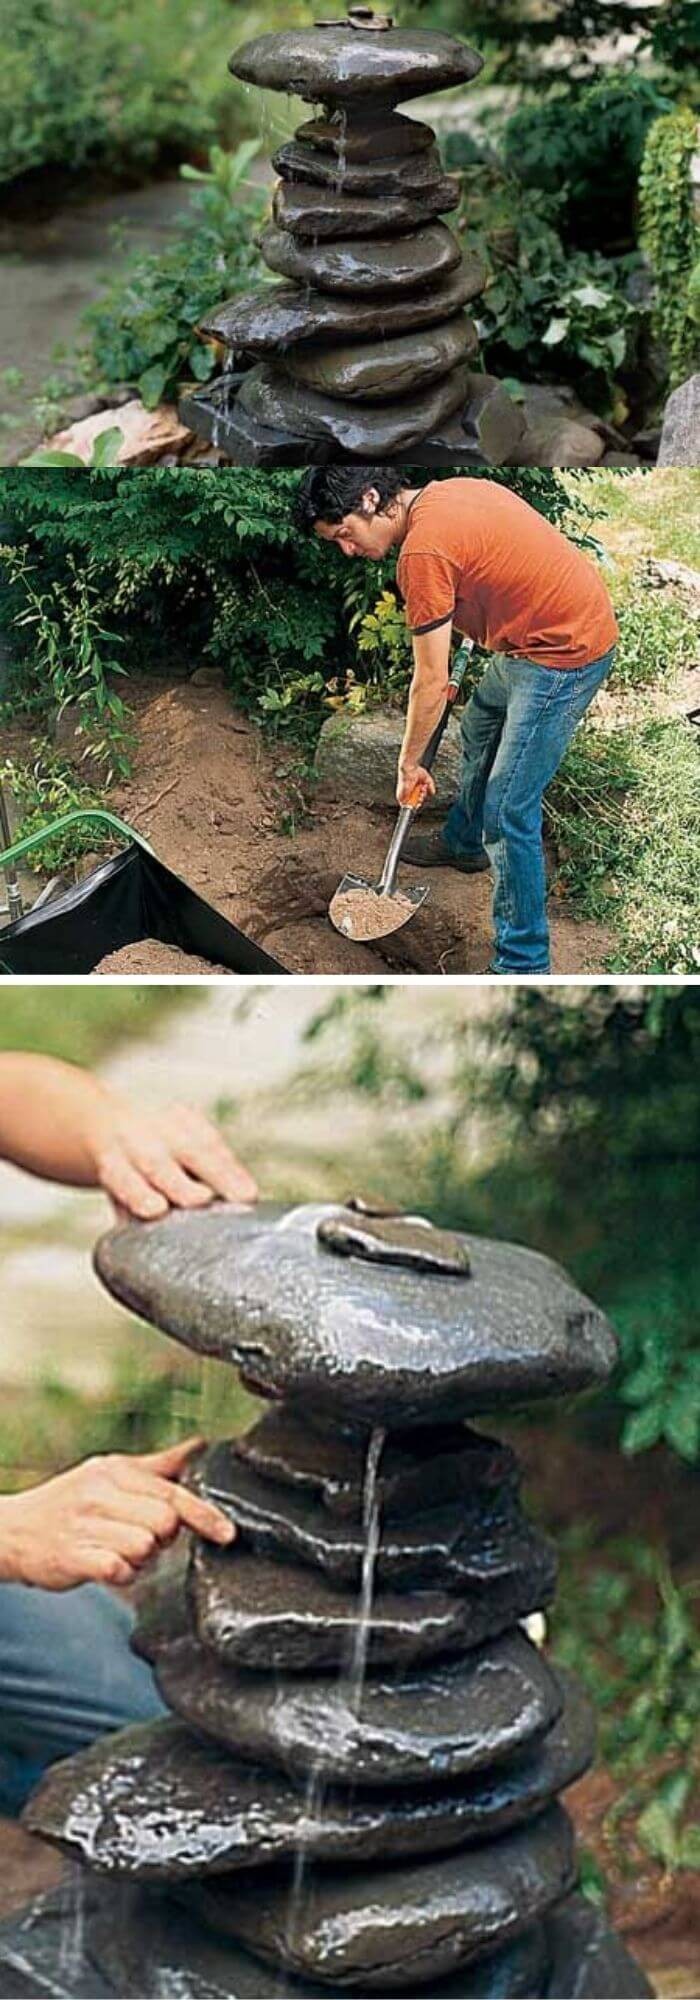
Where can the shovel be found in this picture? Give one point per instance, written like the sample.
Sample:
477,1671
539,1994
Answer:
366,910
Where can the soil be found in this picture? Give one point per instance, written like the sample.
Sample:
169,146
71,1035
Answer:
151,956
216,802
361,913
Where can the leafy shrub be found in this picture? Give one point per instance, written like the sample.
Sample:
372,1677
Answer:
587,145
81,84
45,789
144,328
671,238
545,311
658,637
72,654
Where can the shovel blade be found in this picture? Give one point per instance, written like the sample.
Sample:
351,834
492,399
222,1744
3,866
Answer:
358,911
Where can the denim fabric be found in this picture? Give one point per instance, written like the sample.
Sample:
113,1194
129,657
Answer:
66,1676
515,730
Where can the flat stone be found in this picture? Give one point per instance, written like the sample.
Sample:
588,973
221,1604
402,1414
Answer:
680,434
474,1540
493,419
336,65
361,429
377,1932
371,1345
377,371
356,758
276,316
409,1241
413,173
330,1464
442,1720
587,1960
350,136
155,1803
254,1613
320,213
365,266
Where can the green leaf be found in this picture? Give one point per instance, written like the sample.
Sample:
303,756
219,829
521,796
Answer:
107,446
151,385
689,1847
657,1833
643,1429
591,295
53,458
555,332
201,361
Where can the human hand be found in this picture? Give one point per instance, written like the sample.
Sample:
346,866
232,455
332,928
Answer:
148,1162
102,1520
414,786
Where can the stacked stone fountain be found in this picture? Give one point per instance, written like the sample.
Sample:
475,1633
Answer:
359,1789
365,349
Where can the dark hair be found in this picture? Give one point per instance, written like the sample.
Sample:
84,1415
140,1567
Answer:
328,493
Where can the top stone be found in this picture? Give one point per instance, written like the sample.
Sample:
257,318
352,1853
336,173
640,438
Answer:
334,65
369,1343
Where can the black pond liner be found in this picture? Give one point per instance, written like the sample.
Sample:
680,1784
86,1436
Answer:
132,897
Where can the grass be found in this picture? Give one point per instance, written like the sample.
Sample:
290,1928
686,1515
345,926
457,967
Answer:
646,513
89,1023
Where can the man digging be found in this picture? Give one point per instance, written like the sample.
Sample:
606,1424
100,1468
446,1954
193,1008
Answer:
475,557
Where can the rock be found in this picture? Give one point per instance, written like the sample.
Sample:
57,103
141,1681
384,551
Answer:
374,1345
357,755
493,419
365,266
375,371
444,1720
330,1465
362,429
342,64
208,677
320,213
354,136
413,173
375,1932
155,1803
680,434
560,441
477,1539
246,1616
276,316
587,1960
146,434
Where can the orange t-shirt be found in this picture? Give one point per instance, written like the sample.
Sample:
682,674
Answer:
477,553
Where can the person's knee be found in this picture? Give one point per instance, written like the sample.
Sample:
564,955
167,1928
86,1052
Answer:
494,797
510,814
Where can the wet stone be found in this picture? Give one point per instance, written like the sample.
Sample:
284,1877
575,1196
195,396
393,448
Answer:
322,213
365,1343
415,173
255,1613
416,1468
339,65
277,316
352,137
587,1960
155,1803
364,267
375,372
377,1932
360,428
401,1240
438,1722
477,1539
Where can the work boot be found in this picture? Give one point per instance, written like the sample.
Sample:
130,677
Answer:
430,850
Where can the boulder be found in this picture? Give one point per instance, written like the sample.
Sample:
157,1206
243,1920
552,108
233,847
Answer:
680,435
357,756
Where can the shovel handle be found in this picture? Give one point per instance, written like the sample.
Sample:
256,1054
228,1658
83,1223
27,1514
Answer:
457,672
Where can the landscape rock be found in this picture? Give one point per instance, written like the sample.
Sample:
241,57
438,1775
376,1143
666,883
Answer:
330,1464
408,174
342,64
365,266
680,434
373,1345
273,318
362,429
321,213
378,371
493,419
356,759
356,135
146,434
375,1931
588,1961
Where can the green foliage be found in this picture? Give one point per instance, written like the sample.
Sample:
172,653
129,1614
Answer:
72,654
546,311
624,809
658,637
586,147
92,1020
105,451
81,85
144,328
671,239
45,789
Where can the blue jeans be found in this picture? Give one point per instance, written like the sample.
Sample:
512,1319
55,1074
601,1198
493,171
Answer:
67,1675
515,730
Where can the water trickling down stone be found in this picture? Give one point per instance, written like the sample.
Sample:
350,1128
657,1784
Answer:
359,1791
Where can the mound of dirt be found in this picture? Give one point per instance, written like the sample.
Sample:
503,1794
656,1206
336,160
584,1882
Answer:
149,955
